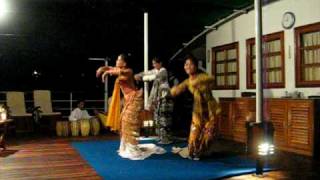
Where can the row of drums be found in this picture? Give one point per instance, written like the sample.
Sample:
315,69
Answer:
82,127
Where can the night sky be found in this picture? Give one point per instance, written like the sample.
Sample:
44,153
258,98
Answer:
56,37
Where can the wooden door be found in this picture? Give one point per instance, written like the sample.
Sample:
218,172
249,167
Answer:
277,113
300,125
225,123
242,107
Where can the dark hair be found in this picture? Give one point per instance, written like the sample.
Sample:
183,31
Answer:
157,60
80,100
192,59
125,58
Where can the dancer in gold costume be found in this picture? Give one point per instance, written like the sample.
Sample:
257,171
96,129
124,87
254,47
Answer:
205,110
127,122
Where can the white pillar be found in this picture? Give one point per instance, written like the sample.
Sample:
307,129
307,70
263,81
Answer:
105,82
146,54
71,101
259,70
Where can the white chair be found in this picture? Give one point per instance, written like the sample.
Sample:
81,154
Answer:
42,99
16,104
17,111
47,122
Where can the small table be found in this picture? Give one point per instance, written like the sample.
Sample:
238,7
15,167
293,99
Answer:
4,123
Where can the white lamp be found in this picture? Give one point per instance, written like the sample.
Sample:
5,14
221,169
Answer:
264,150
148,123
3,8
3,113
3,116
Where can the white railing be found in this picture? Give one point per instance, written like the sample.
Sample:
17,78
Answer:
64,102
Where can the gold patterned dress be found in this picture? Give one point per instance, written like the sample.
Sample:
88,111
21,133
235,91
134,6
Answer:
128,122
204,116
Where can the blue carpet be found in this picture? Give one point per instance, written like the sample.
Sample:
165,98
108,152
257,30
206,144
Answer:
102,156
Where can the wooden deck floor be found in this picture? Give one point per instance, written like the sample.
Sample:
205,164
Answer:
54,158
45,158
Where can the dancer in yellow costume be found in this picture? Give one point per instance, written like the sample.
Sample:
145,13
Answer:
127,122
205,110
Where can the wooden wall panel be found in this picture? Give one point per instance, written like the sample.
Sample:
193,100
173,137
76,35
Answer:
293,121
225,123
242,108
277,113
300,128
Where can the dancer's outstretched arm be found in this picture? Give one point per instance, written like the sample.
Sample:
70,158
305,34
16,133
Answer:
207,80
123,74
140,76
176,90
101,70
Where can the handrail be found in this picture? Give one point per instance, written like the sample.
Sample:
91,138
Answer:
87,100
64,105
213,27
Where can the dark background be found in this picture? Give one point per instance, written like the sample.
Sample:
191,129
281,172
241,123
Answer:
56,37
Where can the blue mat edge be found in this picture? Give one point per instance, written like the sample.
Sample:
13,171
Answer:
269,169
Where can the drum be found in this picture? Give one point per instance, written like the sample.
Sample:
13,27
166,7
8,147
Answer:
84,127
59,128
62,128
75,128
103,119
65,128
94,126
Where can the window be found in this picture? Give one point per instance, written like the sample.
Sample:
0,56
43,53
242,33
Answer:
225,66
272,61
307,39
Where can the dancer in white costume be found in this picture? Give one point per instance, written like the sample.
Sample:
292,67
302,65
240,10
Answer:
160,100
128,122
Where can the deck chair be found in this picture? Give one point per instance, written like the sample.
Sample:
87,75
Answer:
17,111
42,99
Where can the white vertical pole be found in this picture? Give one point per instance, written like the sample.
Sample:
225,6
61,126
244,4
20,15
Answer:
106,90
106,59
71,100
146,54
259,73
